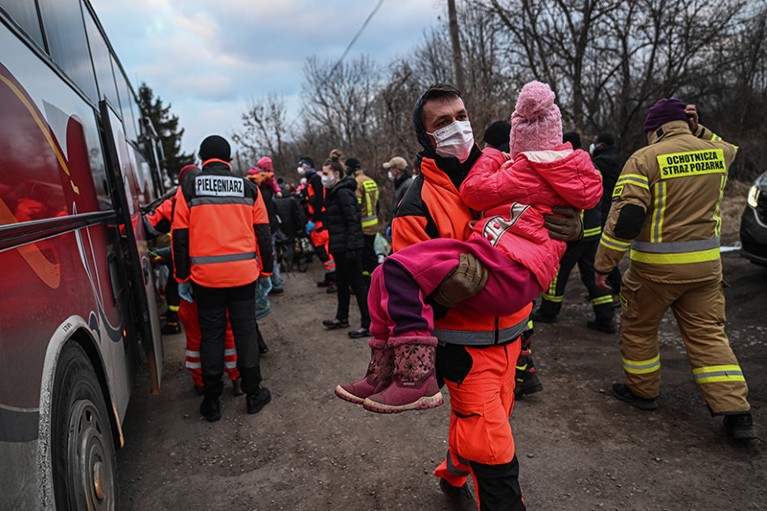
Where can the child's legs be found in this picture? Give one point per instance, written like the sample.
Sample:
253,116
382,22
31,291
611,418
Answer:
396,303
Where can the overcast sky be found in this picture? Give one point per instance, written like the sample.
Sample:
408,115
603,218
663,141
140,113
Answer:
208,58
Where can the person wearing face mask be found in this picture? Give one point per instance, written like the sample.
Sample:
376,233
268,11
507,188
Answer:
434,293
399,175
346,243
315,227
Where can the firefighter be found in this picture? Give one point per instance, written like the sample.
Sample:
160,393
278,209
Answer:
221,245
367,197
315,227
581,253
666,212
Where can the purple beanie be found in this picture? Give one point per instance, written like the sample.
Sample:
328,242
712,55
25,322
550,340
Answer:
663,111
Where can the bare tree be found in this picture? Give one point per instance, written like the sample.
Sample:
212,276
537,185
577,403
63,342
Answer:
264,129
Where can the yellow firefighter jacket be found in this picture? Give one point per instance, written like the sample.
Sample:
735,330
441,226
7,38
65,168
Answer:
666,207
367,197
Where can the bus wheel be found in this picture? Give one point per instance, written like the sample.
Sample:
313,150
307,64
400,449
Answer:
82,450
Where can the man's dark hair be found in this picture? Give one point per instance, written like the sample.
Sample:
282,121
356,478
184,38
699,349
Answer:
573,138
438,91
497,135
606,138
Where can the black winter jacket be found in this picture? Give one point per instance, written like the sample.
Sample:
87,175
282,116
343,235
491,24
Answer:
608,163
291,215
342,217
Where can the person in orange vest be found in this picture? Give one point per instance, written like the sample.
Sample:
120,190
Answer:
221,246
315,227
509,242
476,354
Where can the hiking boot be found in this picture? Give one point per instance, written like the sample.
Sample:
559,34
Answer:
541,317
334,324
210,408
460,496
258,400
237,387
414,386
377,377
622,392
602,325
170,328
740,426
527,383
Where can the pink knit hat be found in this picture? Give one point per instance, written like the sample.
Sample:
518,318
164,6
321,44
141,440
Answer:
265,164
536,123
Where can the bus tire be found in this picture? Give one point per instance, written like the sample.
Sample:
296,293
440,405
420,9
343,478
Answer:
82,449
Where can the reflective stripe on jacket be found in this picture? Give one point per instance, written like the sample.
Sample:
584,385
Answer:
678,180
220,229
367,197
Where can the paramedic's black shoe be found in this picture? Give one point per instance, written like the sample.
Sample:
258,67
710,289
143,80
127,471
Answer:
622,392
541,317
210,409
258,400
460,496
602,326
527,383
740,426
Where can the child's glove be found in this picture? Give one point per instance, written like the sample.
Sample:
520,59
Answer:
464,281
185,290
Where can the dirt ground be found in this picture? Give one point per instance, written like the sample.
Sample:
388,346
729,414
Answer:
579,448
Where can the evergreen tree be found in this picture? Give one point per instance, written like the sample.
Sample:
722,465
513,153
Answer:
167,128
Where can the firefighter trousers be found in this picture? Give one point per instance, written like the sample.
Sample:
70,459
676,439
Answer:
699,311
213,305
581,253
480,441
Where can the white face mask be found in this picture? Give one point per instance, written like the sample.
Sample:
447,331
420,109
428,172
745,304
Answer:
454,140
329,180
301,170
390,176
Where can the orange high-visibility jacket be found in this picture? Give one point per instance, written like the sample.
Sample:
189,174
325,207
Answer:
220,229
432,208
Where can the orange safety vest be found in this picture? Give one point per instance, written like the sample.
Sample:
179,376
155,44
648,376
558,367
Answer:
438,212
220,229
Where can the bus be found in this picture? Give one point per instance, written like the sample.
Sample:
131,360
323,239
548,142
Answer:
78,313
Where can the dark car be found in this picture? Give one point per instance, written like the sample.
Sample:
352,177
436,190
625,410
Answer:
753,223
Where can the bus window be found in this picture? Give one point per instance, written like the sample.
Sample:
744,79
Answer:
101,62
126,99
65,32
25,15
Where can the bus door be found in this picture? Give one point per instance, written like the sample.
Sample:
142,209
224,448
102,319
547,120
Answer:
122,187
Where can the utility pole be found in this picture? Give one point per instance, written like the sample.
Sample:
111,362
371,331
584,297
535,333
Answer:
457,59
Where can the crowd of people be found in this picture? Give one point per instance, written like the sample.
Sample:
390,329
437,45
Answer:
478,234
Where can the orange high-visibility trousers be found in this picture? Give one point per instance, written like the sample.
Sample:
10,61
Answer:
187,314
480,439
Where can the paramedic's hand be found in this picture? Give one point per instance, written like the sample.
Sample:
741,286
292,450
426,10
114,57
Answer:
564,223
310,226
185,290
600,279
464,281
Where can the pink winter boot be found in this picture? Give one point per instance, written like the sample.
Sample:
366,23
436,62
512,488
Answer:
414,386
377,377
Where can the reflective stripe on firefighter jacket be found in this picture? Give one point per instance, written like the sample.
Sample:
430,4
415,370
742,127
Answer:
432,208
367,197
678,181
220,229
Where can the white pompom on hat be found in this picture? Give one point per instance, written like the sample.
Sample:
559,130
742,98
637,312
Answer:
536,123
